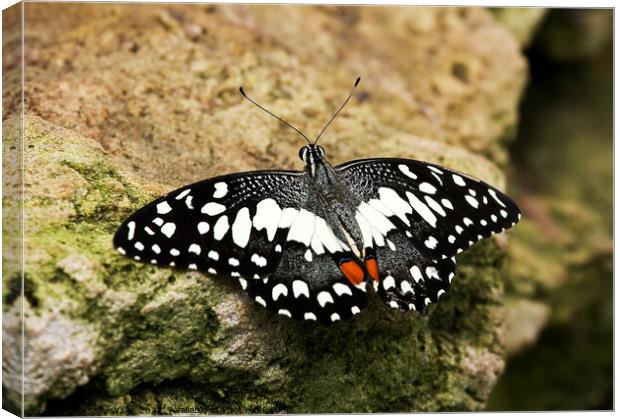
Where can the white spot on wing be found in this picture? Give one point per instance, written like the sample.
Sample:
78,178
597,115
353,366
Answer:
260,300
213,255
340,289
203,227
395,203
472,201
431,272
496,198
287,217
403,168
388,282
431,242
131,230
422,209
139,246
376,219
221,189
434,169
434,205
188,202
163,208
212,208
168,229
279,289
309,316
268,214
284,312
299,288
324,297
258,260
182,194
302,228
335,317
194,248
416,273
405,287
458,180
446,203
427,188
220,228
325,236
233,262
156,249
242,227
308,255
158,221
355,310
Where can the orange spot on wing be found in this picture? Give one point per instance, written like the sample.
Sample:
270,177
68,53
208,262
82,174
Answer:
352,271
372,268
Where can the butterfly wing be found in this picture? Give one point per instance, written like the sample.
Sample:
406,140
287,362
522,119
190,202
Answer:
208,225
264,228
420,216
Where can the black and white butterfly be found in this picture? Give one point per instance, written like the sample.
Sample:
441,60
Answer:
306,244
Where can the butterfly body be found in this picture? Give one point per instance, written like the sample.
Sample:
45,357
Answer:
307,244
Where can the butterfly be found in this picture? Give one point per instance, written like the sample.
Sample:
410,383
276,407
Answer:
307,244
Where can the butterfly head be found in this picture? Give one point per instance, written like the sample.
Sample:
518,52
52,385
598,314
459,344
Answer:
311,153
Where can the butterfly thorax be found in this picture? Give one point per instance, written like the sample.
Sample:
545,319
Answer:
336,202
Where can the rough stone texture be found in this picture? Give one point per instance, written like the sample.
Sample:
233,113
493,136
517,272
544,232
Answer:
522,22
125,102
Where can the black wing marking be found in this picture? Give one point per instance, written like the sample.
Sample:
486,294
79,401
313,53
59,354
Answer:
226,225
443,211
409,280
308,288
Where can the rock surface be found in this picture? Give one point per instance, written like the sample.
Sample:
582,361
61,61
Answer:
126,102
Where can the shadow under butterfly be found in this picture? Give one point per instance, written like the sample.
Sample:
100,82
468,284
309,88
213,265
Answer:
305,244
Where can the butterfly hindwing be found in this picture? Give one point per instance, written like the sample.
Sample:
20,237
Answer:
308,288
410,280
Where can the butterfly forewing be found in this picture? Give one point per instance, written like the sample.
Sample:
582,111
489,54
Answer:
224,225
443,211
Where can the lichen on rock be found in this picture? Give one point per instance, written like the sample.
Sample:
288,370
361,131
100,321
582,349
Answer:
119,114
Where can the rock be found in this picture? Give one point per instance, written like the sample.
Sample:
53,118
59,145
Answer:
101,144
522,22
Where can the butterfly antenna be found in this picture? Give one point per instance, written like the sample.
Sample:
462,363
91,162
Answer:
339,109
273,114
